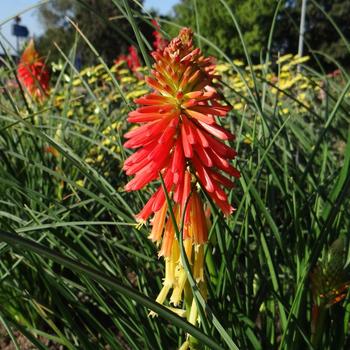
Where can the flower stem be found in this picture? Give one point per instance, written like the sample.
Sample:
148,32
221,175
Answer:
319,315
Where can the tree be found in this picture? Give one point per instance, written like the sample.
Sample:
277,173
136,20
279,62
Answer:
321,37
255,18
321,34
101,22
215,23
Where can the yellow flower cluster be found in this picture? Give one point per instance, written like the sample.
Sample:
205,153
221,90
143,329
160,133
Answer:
280,78
91,99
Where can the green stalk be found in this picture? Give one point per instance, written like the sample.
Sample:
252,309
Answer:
318,324
109,282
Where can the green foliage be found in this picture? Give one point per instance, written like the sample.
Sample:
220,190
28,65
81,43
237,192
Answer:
76,269
255,19
101,21
216,25
322,36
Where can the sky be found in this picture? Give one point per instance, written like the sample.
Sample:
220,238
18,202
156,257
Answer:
10,8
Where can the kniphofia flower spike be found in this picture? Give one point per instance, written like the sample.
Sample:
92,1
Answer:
178,131
179,138
159,42
33,73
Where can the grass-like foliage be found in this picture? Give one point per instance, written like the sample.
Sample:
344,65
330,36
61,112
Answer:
76,270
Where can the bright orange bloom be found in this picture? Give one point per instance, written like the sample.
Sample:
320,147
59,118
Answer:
178,134
33,73
179,139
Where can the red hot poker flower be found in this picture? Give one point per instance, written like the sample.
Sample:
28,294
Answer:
33,73
132,59
159,42
178,133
